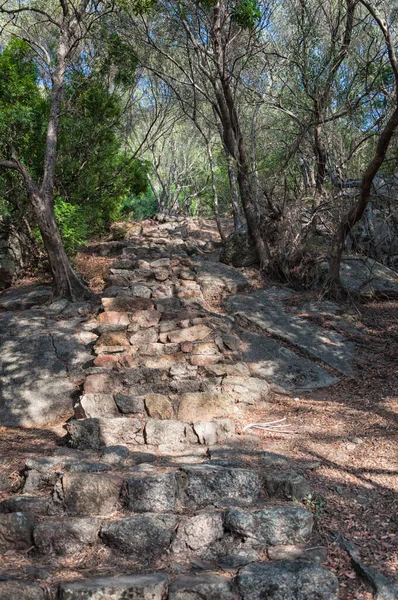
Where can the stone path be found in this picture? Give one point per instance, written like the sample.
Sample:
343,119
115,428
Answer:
266,311
154,479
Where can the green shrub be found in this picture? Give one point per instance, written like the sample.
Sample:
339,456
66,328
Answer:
140,207
72,225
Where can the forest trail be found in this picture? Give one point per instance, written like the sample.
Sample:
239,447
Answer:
159,491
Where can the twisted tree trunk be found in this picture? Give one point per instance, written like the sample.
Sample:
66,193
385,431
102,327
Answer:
41,196
351,218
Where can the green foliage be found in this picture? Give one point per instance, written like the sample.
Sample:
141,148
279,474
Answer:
23,115
140,206
4,207
92,171
23,106
246,14
93,174
316,504
72,225
137,6
208,4
120,58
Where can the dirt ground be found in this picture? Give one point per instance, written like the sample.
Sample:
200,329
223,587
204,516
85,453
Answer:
351,430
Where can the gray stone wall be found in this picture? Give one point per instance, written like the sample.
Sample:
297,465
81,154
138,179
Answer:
15,252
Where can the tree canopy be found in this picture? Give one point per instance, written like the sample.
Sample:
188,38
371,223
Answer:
265,112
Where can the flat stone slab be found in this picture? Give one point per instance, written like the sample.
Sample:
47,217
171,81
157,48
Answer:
266,312
215,275
24,297
368,278
274,363
41,362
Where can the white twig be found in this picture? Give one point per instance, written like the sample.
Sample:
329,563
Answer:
275,426
263,424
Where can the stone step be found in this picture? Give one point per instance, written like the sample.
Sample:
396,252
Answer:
284,580
89,484
181,393
139,489
150,488
96,433
141,587
186,406
209,534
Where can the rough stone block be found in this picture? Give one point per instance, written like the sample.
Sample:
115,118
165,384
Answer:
155,349
287,579
189,334
271,526
159,407
206,348
94,434
145,336
20,590
143,536
65,536
169,432
161,262
115,455
196,534
126,304
130,404
35,505
185,386
246,389
196,587
113,318
285,484
211,433
91,493
16,531
202,360
112,338
152,492
101,383
140,291
108,361
40,473
206,485
146,318
95,405
298,552
204,406
166,361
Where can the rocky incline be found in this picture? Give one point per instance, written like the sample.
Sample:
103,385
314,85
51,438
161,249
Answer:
156,486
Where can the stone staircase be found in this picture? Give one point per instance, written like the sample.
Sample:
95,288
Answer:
155,482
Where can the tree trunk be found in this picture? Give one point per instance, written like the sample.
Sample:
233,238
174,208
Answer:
214,190
233,138
321,159
66,283
332,284
234,193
